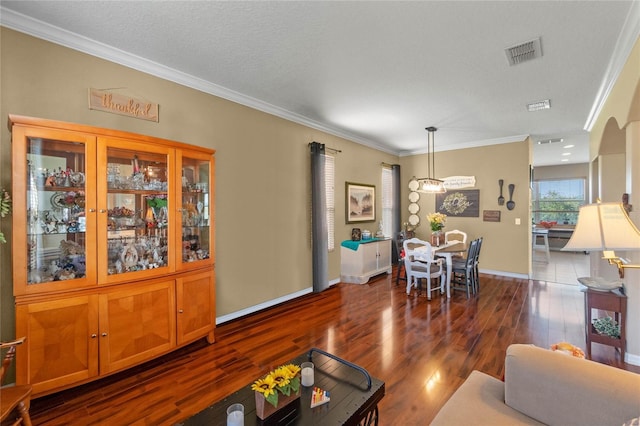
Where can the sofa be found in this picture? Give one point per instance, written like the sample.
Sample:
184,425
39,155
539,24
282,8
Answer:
545,387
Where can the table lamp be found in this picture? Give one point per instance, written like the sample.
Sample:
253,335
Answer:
605,227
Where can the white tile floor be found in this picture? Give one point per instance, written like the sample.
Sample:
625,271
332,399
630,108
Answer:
563,267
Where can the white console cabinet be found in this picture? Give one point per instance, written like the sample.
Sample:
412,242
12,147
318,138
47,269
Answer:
371,258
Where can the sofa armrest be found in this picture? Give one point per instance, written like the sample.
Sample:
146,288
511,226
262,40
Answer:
558,389
480,401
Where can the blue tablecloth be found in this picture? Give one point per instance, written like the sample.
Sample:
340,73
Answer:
353,245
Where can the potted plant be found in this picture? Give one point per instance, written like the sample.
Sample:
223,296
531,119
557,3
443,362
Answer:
279,388
436,222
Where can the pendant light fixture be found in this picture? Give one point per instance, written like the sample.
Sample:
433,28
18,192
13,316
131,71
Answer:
430,184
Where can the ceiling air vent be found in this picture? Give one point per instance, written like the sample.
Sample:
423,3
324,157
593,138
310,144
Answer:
524,52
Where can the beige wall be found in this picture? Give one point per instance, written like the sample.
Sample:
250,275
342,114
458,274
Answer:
611,177
562,172
505,245
263,251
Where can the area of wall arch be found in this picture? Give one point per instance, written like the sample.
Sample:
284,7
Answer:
617,125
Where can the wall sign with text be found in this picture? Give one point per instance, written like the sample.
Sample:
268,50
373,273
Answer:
105,100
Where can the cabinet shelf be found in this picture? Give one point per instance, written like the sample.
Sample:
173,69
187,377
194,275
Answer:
137,191
55,233
58,188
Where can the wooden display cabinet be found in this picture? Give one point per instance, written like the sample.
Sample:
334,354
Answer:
114,263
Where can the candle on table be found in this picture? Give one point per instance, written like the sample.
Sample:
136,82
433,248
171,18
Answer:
307,373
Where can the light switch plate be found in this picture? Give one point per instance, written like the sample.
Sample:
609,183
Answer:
517,221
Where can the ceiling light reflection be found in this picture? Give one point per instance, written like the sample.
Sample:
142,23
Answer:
387,337
432,381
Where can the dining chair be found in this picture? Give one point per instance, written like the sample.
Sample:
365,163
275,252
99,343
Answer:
463,271
420,263
476,263
455,236
400,249
13,399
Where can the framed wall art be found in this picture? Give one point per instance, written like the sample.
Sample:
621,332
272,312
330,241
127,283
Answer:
460,203
360,202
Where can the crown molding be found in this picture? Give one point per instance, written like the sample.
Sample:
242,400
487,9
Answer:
36,28
470,144
626,40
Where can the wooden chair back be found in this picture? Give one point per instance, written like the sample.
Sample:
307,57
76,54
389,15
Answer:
455,235
13,397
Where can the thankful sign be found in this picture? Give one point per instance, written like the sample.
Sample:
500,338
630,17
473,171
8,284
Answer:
105,100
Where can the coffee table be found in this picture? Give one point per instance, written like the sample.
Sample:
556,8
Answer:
354,398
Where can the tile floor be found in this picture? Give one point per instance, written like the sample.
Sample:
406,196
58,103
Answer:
563,267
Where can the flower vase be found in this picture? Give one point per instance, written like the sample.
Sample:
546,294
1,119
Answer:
265,409
437,238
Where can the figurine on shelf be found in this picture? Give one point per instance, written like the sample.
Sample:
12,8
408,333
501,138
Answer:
66,273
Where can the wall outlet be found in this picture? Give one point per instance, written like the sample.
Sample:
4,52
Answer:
517,221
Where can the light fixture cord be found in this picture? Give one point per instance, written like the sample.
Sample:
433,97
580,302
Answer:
431,152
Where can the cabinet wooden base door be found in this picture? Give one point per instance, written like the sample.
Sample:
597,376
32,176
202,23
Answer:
196,307
61,346
136,324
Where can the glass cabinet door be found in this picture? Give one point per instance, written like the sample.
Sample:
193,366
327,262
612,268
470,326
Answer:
196,209
55,205
135,212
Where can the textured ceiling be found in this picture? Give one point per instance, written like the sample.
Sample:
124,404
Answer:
375,72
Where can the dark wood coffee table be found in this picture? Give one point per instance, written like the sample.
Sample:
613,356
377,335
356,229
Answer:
354,398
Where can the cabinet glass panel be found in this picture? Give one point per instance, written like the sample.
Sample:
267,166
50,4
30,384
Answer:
137,226
56,214
195,210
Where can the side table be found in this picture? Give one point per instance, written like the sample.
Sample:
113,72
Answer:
613,301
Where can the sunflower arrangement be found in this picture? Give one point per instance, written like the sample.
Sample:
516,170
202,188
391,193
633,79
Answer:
437,221
284,379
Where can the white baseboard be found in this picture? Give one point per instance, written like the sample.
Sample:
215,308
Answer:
632,359
261,306
504,274
270,303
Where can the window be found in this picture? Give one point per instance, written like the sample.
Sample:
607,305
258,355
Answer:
329,178
387,201
558,200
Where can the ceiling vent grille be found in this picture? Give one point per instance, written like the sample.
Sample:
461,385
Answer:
524,52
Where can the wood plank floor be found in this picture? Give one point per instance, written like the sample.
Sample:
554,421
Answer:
422,349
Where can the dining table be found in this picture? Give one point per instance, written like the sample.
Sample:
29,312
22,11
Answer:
447,251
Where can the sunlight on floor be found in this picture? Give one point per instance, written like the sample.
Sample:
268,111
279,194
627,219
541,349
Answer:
563,267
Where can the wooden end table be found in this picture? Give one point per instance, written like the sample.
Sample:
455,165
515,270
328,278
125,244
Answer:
613,301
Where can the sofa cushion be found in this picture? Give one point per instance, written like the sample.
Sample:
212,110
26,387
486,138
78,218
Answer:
557,389
480,401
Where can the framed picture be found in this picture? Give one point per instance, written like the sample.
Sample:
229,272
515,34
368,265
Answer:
461,203
360,202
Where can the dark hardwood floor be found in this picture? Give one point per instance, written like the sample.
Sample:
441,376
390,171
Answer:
422,349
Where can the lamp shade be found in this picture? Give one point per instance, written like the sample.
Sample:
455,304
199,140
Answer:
604,226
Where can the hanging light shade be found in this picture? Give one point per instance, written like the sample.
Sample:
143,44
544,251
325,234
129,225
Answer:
430,184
